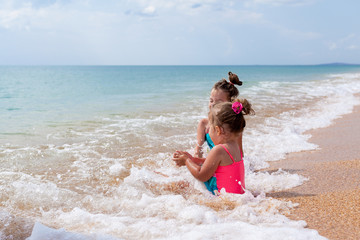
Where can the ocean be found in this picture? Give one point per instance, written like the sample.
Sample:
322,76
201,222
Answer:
85,151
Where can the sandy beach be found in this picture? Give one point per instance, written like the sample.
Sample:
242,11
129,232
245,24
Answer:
330,201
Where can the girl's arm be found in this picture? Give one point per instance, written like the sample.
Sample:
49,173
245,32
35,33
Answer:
198,161
180,157
207,170
200,137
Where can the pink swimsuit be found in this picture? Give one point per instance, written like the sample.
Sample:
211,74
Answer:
231,177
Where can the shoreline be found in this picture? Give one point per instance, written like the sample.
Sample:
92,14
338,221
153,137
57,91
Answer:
330,200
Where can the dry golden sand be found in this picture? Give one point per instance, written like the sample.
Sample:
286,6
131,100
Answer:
330,201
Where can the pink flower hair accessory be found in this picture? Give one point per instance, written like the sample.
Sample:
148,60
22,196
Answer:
237,107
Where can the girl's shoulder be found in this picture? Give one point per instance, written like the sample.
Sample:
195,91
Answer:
216,154
203,123
219,151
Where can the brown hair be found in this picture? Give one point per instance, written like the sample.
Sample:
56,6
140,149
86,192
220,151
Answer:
229,86
222,114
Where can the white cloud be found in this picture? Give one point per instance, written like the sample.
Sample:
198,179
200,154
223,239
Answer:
116,29
186,7
149,11
349,42
15,18
292,33
281,2
19,15
56,17
332,46
353,47
242,16
348,38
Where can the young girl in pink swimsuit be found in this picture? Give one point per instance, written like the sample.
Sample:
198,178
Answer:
224,161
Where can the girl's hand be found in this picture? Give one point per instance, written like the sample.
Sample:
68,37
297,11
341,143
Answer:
179,157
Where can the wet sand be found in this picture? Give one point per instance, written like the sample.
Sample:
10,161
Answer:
330,201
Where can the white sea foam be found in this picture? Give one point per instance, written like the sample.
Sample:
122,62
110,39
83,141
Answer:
265,182
41,231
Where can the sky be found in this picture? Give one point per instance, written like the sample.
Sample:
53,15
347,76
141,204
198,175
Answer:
179,32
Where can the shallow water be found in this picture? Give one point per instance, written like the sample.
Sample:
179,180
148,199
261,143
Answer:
87,150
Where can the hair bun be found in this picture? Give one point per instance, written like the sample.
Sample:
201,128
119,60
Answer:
234,79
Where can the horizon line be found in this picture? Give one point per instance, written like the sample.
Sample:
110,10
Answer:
174,65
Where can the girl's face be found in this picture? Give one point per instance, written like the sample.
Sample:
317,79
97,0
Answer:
217,96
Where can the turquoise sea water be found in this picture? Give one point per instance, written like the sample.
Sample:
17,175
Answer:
87,149
33,96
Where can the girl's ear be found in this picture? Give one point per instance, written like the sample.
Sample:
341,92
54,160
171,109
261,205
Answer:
218,130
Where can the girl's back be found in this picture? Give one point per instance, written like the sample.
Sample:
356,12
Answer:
230,175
